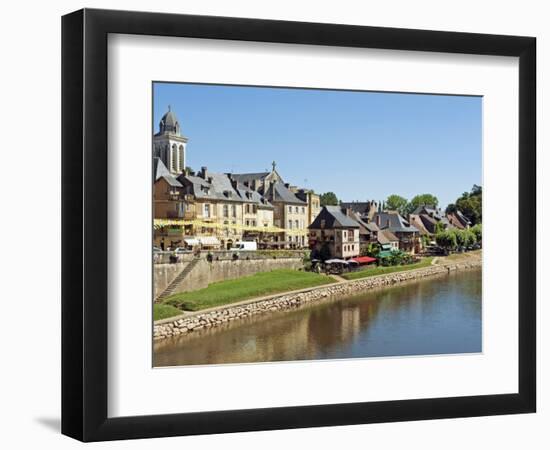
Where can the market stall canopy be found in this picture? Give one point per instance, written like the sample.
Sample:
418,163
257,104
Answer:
209,240
336,261
191,241
364,259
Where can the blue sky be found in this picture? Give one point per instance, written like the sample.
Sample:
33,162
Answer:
360,145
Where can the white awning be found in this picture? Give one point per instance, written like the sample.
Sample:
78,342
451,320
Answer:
191,241
209,240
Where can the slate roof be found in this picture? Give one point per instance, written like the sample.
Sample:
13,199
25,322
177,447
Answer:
359,207
417,222
248,177
386,236
394,222
251,196
278,192
369,226
216,187
334,218
458,220
161,171
430,210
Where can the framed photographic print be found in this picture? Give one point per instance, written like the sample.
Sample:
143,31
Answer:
273,224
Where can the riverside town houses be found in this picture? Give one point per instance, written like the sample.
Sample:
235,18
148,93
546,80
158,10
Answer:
216,211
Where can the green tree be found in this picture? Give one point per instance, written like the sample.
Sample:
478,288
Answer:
469,204
447,240
329,199
439,227
476,229
425,240
460,237
397,203
420,200
469,238
372,249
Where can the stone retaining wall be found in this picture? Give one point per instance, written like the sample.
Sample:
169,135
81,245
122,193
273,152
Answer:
205,273
194,322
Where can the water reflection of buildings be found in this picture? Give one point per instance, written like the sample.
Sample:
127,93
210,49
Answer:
335,328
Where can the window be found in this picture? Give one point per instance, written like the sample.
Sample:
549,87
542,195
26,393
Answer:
225,211
181,159
303,209
173,159
297,210
296,224
206,210
234,210
290,224
290,209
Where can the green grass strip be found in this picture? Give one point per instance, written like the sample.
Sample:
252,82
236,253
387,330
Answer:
373,271
258,285
161,311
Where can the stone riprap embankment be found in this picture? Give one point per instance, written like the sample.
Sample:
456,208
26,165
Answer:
193,322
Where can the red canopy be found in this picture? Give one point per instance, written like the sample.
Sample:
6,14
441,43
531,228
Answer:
363,259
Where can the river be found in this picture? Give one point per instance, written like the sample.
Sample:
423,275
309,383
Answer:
438,315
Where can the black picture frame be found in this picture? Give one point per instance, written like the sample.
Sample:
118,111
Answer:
84,224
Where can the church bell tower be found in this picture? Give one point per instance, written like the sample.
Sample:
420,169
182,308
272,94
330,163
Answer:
169,144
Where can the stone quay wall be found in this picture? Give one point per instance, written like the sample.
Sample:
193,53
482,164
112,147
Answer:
205,273
193,322
222,267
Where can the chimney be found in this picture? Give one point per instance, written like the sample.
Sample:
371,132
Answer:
378,220
204,172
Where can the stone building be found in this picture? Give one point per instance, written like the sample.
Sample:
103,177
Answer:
408,235
312,199
168,199
334,235
215,205
169,144
365,210
289,211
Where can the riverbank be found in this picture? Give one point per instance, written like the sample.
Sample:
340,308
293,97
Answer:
261,284
193,322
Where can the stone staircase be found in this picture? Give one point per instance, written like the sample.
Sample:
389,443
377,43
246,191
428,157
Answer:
176,281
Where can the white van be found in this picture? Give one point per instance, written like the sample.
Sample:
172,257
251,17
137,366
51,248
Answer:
246,246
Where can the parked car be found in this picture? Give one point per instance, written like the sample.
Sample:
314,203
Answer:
181,250
245,246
